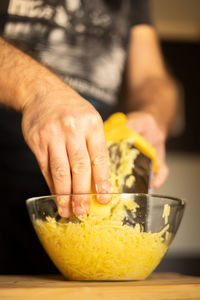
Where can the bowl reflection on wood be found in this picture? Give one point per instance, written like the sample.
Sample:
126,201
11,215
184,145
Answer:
126,244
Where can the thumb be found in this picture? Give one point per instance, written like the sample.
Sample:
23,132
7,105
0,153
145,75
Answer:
160,176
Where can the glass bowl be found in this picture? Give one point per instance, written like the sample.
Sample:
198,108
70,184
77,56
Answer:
123,240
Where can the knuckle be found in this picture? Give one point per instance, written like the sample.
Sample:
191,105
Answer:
69,123
81,166
60,172
94,118
100,160
34,137
50,129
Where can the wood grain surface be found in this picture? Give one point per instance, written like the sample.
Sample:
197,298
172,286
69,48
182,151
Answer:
161,286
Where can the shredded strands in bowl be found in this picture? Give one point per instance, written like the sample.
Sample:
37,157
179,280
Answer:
97,249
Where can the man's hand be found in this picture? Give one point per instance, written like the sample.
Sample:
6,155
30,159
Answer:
66,135
62,129
144,124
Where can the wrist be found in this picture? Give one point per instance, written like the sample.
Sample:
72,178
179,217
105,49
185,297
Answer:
23,79
42,90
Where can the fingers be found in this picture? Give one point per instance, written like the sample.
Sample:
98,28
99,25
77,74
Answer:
160,176
60,173
136,123
41,153
162,173
146,125
47,176
81,173
100,164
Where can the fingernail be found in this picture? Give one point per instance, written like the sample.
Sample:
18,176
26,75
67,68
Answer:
78,210
103,199
101,189
64,212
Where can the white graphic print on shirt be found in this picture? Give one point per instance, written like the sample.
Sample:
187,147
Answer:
84,41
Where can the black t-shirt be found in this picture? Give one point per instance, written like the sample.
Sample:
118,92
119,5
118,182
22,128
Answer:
84,41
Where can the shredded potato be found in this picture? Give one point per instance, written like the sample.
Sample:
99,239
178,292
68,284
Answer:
97,249
166,212
122,157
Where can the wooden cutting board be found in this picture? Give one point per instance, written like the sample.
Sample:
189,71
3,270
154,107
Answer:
159,286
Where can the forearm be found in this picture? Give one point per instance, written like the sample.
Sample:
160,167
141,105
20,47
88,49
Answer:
148,86
22,78
157,96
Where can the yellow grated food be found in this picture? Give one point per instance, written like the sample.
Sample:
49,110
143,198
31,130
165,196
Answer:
166,212
98,249
129,181
122,157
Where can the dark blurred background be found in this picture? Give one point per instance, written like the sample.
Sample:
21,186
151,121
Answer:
178,25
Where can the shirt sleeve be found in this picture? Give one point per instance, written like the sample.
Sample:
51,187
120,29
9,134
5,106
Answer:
140,13
3,14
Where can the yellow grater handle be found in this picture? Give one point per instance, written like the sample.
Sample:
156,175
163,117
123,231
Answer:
116,129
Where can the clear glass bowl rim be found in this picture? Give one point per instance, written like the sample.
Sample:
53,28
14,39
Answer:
179,201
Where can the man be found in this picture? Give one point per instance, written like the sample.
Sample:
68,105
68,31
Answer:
87,44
